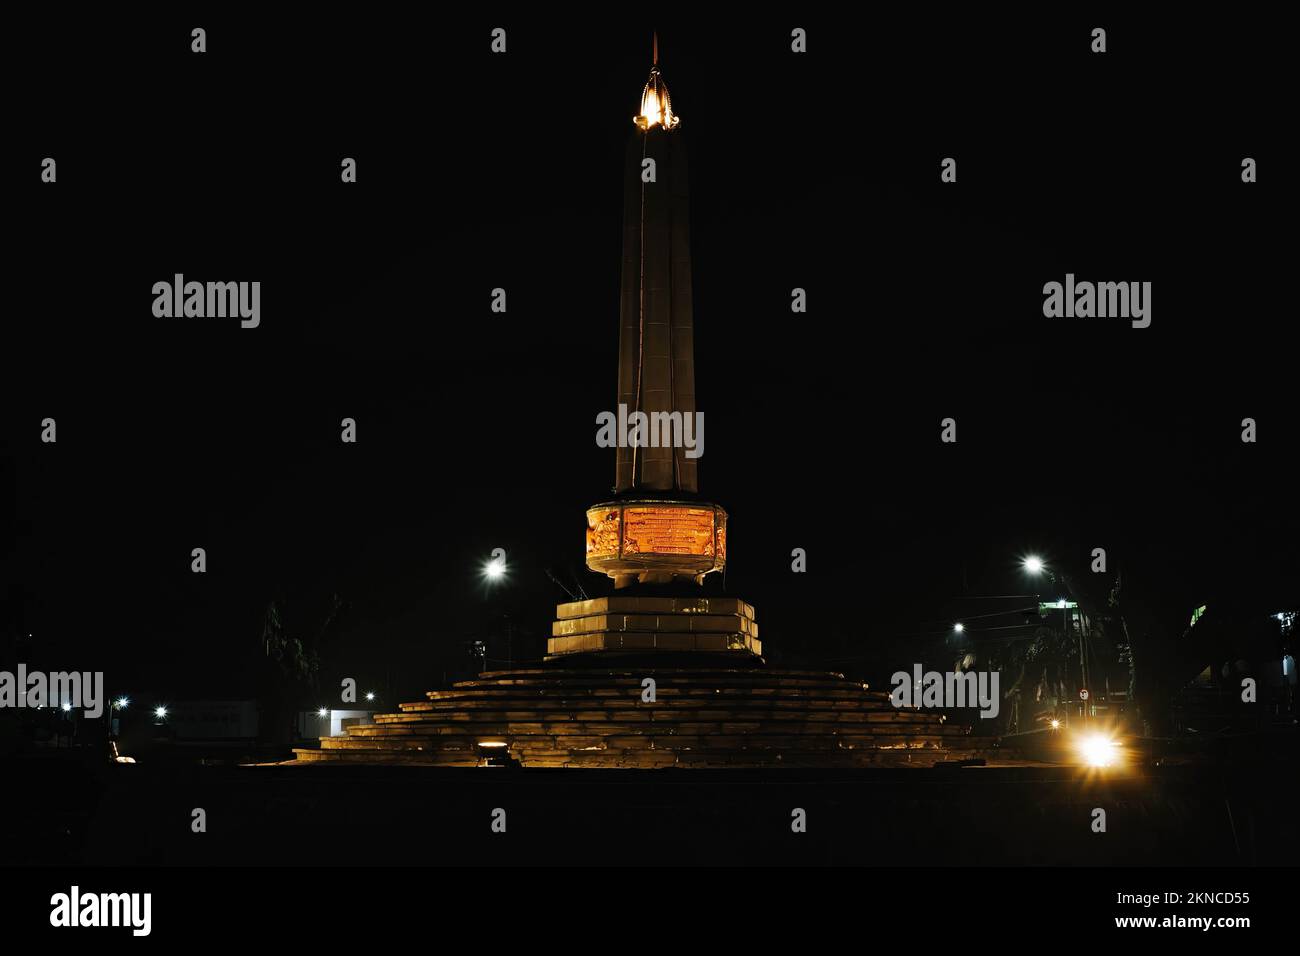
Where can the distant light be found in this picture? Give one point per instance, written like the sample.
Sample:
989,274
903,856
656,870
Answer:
160,712
323,712
1033,564
493,743
1056,725
370,695
67,707
494,569
1060,602
959,627
121,703
1098,750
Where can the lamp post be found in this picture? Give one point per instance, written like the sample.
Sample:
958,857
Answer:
494,570
120,704
1034,565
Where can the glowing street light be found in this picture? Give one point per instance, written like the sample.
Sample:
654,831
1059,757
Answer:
958,627
1033,564
1098,750
495,569
122,703
323,712
370,695
160,712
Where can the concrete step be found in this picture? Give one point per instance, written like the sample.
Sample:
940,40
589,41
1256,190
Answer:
725,724
717,716
632,696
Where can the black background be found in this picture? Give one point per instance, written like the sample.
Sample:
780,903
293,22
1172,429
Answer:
475,429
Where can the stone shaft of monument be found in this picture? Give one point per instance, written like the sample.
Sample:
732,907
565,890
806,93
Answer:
656,367
656,531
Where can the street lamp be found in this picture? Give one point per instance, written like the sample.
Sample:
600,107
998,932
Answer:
1034,565
958,627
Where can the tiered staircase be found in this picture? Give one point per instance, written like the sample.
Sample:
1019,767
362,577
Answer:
701,717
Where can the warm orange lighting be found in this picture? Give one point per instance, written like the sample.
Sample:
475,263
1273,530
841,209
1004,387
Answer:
667,530
656,105
1098,750
604,532
654,541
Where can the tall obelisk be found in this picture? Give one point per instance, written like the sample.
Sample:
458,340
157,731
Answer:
656,355
656,531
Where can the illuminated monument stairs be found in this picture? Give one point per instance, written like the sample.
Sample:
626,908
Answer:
715,702
703,716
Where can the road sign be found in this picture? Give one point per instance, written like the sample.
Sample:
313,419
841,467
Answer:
1083,694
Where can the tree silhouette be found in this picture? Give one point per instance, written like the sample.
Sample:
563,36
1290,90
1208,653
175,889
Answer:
293,655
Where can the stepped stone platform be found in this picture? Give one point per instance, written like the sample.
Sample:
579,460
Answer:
702,716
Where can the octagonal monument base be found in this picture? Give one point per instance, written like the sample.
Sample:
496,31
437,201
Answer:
656,541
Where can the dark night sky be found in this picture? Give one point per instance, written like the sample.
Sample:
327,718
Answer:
476,430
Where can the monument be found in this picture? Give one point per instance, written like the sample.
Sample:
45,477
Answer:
657,674
657,530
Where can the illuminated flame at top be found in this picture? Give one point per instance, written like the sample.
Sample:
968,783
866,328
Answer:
656,104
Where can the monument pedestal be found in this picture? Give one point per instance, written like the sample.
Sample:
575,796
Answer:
649,624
